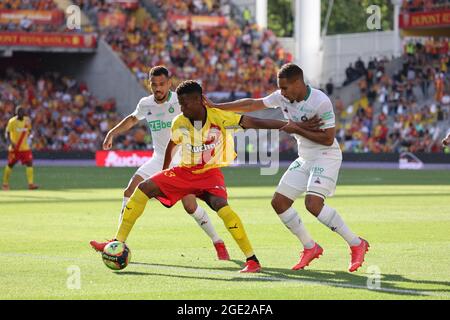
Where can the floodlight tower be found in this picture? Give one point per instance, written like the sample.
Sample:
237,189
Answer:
397,42
308,49
261,13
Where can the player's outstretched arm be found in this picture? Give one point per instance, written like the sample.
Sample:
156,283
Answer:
324,137
312,125
123,126
242,105
170,151
248,122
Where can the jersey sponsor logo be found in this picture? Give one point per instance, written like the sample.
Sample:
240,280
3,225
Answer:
318,170
158,125
202,148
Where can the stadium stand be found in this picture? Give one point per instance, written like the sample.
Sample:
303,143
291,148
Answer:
65,115
28,5
403,112
227,57
35,16
195,7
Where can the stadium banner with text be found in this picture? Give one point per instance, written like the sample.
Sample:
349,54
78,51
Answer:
198,22
425,19
122,158
40,39
55,17
113,19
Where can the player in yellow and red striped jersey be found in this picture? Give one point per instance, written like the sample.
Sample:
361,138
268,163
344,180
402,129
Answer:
17,133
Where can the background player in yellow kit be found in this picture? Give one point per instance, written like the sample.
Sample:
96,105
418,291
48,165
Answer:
17,133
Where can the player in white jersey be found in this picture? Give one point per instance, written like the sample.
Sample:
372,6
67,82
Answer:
315,172
158,110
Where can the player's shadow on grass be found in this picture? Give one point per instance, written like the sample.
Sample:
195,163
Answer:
390,283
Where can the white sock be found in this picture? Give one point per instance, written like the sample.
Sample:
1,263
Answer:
329,217
202,219
124,203
292,221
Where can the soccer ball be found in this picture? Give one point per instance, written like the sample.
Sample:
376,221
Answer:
116,255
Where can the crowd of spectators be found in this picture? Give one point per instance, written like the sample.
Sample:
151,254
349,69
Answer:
27,5
396,113
65,115
27,25
195,7
26,22
411,104
235,59
357,70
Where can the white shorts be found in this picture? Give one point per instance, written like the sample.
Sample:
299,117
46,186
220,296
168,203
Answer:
155,165
315,177
149,168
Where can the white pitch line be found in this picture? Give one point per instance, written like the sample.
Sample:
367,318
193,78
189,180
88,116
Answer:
238,275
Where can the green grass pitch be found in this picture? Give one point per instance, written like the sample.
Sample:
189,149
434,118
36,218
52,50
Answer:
44,235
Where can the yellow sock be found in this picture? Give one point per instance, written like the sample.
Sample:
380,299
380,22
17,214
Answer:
6,174
30,174
132,211
235,227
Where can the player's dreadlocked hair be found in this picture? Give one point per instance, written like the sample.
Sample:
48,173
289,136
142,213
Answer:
189,86
158,71
290,71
